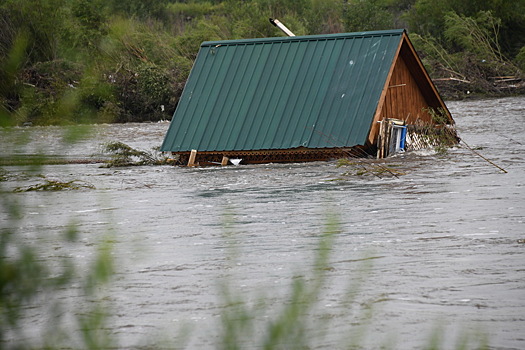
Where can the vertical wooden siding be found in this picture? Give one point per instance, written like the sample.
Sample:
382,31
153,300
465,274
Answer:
409,93
404,99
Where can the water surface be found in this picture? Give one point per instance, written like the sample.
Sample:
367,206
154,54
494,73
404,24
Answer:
441,242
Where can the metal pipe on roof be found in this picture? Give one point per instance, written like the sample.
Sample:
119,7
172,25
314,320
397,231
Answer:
281,26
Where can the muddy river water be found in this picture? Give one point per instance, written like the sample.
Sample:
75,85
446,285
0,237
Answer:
438,249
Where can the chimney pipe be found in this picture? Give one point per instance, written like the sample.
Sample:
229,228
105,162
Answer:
281,26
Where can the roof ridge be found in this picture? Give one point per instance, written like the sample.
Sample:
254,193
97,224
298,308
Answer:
304,37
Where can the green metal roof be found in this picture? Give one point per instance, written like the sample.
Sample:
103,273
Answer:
317,91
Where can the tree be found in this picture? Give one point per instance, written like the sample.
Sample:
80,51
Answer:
368,15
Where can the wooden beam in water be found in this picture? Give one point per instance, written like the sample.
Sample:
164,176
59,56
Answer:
193,155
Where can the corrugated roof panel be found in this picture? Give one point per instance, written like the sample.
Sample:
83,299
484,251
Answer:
280,93
354,92
242,94
272,106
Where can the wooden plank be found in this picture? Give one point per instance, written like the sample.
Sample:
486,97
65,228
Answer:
193,155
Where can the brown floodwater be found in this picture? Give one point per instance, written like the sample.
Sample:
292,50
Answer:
437,248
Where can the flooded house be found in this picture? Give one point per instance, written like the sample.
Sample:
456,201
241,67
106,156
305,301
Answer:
303,98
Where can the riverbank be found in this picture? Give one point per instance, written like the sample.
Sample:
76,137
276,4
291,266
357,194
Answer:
454,89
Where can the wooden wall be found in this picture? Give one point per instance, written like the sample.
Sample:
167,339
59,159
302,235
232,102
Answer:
404,99
409,92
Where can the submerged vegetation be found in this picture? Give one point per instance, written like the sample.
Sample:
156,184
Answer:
56,185
368,167
85,61
440,136
124,155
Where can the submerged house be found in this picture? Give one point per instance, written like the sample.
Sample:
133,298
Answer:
299,98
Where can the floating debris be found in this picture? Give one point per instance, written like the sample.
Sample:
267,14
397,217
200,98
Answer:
363,167
123,155
54,185
236,161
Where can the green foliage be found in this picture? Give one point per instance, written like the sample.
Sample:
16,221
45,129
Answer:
54,74
96,101
46,85
42,20
190,10
435,57
10,88
478,35
325,16
91,43
154,83
144,71
368,15
92,18
438,116
188,44
145,93
427,17
468,50
138,8
520,59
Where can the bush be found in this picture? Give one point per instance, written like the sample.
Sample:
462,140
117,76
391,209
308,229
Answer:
368,15
520,59
145,93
